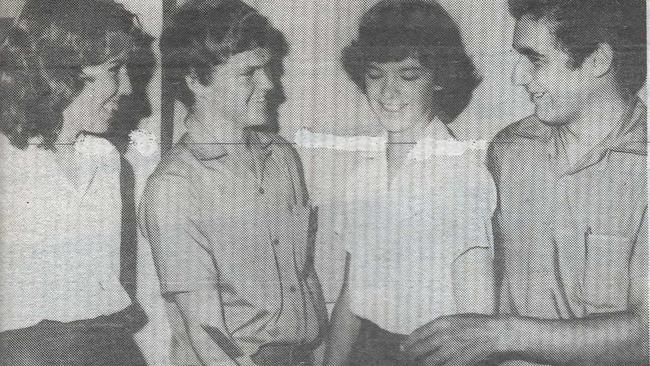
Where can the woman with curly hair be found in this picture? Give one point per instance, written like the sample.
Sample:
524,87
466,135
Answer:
416,224
63,72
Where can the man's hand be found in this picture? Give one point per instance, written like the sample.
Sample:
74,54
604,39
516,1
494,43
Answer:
458,340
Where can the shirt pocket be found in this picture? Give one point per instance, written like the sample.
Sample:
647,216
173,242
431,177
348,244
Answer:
606,274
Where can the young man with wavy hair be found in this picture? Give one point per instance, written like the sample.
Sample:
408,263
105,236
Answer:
570,229
227,211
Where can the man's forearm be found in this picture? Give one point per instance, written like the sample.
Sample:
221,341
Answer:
611,339
201,312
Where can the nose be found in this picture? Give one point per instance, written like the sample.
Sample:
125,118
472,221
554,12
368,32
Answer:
390,89
521,74
124,87
263,80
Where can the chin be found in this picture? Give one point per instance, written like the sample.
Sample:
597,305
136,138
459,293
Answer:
550,120
548,117
259,121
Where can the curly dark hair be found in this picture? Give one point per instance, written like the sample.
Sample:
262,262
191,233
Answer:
394,30
581,25
205,33
43,56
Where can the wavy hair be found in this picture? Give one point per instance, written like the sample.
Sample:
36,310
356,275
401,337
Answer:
205,33
43,56
394,30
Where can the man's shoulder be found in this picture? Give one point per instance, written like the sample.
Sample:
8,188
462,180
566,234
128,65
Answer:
527,129
279,144
177,162
174,170
517,139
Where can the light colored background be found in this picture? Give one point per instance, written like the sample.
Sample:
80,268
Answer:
321,97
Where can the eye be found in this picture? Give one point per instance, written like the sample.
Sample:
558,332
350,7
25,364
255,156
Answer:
116,68
248,73
410,75
536,61
374,74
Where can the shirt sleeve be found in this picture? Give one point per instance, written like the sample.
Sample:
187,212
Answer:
472,210
181,255
639,260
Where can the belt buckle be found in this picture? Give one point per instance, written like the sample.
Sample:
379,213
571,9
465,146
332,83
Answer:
302,363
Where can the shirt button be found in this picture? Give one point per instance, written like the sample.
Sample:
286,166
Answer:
292,288
261,190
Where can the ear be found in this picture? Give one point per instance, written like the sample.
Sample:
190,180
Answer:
601,60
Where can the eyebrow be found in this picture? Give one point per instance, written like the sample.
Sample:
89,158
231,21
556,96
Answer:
252,68
404,69
527,51
412,68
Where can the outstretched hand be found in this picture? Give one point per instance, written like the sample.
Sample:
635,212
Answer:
458,340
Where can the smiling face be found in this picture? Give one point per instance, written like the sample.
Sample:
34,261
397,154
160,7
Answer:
400,93
558,91
92,110
239,89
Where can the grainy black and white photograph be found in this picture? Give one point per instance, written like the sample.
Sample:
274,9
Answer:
323,183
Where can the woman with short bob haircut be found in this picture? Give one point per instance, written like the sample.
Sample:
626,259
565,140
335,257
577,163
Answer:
63,72
396,30
416,215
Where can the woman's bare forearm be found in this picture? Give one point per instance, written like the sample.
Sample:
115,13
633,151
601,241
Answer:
343,328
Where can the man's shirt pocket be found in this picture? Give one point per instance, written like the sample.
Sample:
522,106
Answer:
606,273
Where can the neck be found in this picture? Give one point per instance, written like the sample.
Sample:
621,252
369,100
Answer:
597,120
207,127
407,137
67,135
400,143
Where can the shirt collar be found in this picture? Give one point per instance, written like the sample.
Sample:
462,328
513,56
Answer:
237,159
437,140
205,151
629,136
85,145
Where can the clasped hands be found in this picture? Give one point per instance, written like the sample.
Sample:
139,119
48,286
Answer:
457,340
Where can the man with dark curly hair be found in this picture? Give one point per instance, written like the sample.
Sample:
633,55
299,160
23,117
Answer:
570,229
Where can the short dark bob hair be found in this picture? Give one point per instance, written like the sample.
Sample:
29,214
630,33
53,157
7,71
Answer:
581,25
394,30
205,33
43,56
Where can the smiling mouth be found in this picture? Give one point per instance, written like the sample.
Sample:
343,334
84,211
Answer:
534,97
392,107
258,100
